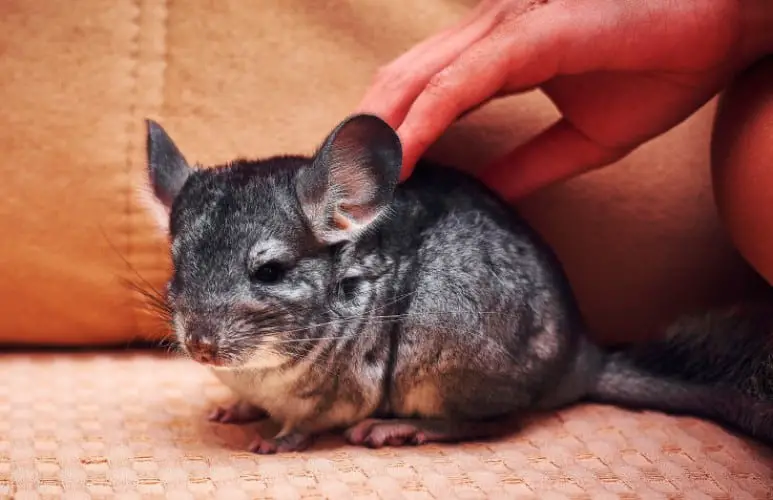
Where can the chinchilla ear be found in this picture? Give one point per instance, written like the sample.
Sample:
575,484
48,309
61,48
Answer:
352,179
167,172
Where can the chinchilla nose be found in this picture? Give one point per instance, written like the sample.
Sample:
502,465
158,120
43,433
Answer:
202,346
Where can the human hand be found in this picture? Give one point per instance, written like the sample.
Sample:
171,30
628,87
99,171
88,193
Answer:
620,73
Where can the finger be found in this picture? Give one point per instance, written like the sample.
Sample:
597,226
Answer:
445,97
427,45
397,84
509,53
558,153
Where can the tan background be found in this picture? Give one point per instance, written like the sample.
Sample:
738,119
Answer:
641,240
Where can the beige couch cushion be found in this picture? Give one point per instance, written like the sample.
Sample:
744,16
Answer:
133,425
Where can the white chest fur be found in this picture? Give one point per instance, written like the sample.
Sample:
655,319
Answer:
279,390
270,388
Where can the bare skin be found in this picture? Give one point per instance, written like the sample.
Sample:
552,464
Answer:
621,73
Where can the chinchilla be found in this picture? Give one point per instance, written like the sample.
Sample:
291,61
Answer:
330,296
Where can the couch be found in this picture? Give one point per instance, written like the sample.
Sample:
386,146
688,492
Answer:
94,403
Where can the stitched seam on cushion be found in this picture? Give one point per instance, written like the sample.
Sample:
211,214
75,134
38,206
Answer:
164,53
155,28
165,8
134,52
151,99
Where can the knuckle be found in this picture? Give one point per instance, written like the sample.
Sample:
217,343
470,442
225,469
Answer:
443,88
440,83
512,11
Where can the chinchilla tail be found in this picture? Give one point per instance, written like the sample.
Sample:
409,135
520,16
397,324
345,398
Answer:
717,366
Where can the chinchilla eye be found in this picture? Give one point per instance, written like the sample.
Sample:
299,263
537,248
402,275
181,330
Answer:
270,272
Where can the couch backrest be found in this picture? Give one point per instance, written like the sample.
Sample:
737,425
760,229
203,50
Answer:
236,77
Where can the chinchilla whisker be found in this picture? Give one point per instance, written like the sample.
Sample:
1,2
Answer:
176,348
312,326
167,342
313,340
275,338
376,318
320,339
152,297
394,300
425,314
154,305
390,302
278,332
158,293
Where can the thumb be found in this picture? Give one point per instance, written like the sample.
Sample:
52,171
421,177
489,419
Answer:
558,153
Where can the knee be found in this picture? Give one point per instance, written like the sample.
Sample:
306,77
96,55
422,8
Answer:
742,164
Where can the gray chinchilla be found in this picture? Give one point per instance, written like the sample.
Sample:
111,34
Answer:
327,296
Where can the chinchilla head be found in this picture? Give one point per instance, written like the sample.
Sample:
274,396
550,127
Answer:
254,244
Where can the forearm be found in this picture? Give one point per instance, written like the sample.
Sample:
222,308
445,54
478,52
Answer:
757,32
